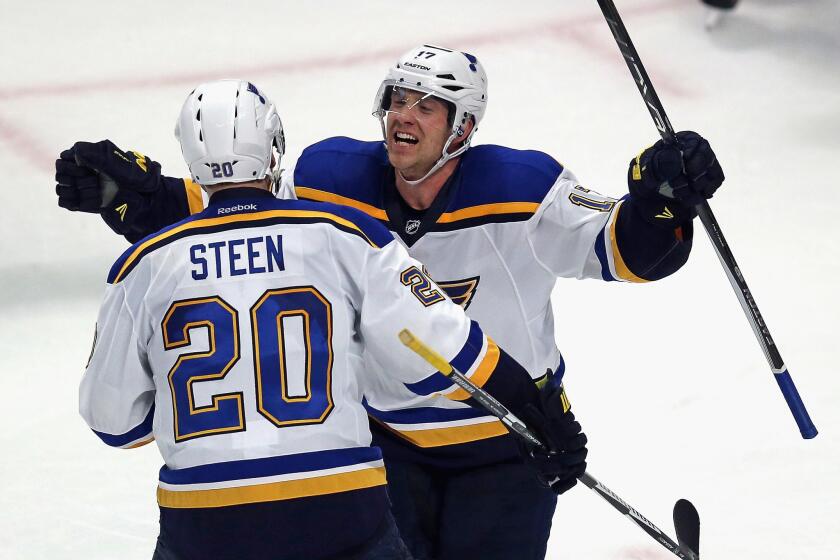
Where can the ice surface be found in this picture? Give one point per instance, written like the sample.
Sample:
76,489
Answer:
667,378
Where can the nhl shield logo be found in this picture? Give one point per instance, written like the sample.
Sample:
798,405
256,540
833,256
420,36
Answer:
412,226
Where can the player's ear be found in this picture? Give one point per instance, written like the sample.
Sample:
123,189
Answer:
467,129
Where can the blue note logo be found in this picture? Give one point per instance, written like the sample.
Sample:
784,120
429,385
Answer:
461,292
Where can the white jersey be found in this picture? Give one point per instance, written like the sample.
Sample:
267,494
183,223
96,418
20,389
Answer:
511,223
235,339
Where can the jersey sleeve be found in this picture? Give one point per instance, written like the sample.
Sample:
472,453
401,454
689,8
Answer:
398,294
116,396
195,195
579,233
651,252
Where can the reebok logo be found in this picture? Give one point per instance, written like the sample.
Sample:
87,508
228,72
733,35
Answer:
237,208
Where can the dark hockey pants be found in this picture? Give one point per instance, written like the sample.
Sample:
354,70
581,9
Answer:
493,512
385,544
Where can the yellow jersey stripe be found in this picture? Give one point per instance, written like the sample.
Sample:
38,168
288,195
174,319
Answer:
438,437
141,443
273,491
323,196
487,210
247,217
482,372
620,268
447,217
194,198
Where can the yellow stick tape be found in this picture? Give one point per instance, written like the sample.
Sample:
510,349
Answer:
407,338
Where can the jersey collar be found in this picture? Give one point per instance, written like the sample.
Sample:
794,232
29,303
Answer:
412,224
238,193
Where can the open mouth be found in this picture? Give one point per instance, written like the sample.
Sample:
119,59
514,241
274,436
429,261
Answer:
404,139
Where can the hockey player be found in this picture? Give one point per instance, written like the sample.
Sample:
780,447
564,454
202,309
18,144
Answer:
495,227
235,339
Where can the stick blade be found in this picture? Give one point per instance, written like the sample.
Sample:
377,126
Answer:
687,525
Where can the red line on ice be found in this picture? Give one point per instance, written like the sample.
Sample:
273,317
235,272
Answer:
645,552
557,29
30,149
26,146
610,55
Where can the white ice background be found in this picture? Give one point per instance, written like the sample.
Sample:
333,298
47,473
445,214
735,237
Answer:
667,378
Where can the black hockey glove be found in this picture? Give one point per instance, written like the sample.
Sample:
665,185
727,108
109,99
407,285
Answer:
668,180
100,178
565,460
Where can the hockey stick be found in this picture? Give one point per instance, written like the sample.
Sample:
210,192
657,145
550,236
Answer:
739,284
686,520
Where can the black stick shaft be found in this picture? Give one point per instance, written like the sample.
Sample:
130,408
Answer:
519,429
655,532
727,259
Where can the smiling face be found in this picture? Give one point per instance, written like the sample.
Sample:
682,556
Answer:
417,129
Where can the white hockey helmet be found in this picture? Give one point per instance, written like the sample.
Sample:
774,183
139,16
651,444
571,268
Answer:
227,130
453,76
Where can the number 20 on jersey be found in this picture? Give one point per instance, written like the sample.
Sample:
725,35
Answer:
274,400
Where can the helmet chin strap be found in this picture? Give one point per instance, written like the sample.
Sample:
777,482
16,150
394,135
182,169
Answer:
275,179
275,171
444,156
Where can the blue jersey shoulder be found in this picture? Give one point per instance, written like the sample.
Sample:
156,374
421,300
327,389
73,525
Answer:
346,167
373,229
496,174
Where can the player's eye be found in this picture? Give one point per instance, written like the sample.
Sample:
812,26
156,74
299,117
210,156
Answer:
427,106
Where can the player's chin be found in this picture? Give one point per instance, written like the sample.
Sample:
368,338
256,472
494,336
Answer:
402,155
